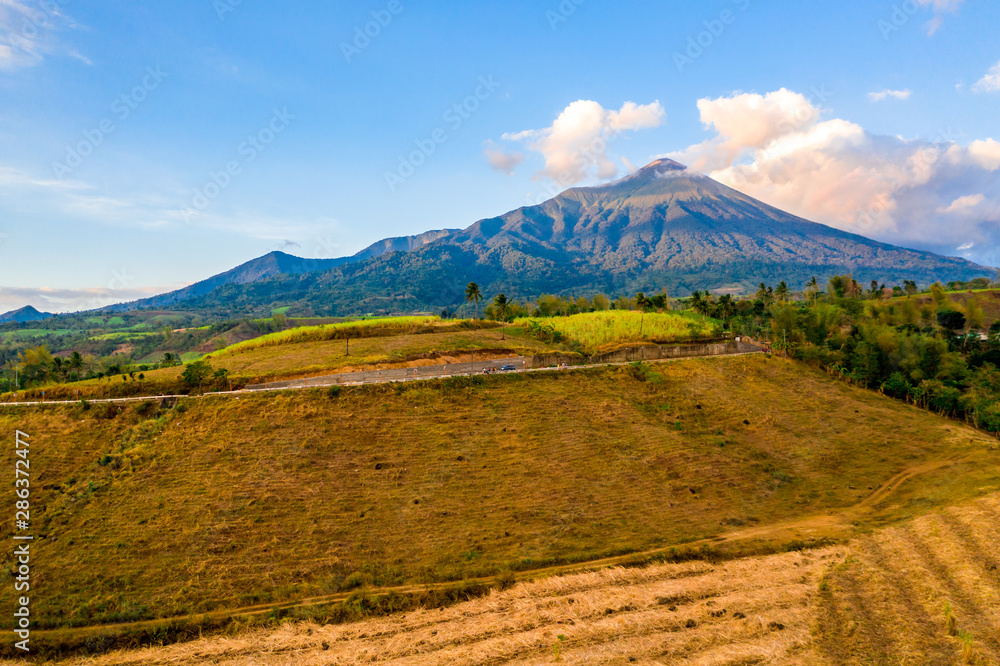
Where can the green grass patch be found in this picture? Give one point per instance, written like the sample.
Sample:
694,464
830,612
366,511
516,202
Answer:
598,331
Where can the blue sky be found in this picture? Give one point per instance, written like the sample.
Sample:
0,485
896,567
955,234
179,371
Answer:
144,146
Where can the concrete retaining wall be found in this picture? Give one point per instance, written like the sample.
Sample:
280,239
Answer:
644,353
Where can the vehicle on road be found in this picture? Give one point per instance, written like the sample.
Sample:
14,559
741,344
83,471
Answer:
508,368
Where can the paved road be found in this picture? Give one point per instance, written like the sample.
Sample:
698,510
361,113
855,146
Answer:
371,377
394,374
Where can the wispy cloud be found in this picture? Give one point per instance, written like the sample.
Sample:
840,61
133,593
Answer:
575,146
940,7
990,82
883,95
84,202
29,33
48,299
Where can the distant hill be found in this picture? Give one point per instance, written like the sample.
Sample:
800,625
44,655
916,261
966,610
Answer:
24,314
276,264
663,226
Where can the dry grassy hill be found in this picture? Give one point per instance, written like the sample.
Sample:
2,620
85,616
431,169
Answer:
924,592
175,518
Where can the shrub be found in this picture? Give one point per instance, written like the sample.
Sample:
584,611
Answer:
197,372
639,371
897,386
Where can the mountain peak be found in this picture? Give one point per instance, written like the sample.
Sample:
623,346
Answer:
25,314
662,165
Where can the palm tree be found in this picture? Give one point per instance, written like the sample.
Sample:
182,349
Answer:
702,303
854,289
641,301
696,301
727,306
764,294
473,294
782,291
813,286
502,308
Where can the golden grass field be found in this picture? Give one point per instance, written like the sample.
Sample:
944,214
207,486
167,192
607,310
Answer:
224,505
880,599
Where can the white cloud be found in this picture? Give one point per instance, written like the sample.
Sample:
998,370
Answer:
963,204
28,33
882,95
745,120
990,82
986,153
833,171
575,146
501,160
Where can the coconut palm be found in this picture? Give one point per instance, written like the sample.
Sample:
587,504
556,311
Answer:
473,295
696,301
813,286
501,307
727,306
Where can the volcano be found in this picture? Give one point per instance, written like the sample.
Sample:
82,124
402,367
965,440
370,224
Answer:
662,226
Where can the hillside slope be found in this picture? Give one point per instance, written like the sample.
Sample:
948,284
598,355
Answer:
880,600
224,502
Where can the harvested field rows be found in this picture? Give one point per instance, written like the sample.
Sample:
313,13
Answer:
752,608
888,602
881,599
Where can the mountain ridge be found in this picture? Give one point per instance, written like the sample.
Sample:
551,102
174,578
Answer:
662,226
277,263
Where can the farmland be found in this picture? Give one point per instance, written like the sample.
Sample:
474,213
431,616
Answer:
925,591
600,331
